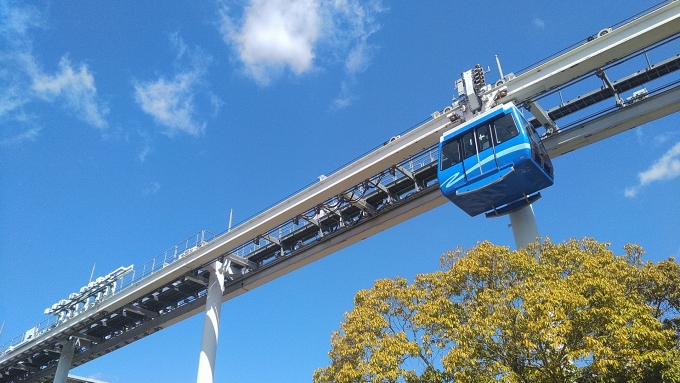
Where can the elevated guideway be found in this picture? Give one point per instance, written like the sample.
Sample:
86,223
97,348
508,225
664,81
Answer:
387,186
607,46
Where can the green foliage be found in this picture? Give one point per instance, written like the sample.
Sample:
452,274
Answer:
570,312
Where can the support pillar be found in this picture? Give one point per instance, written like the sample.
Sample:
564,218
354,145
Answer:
524,228
211,323
65,361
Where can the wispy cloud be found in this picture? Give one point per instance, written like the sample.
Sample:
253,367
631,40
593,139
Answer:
16,21
662,138
171,101
178,42
658,140
23,82
665,168
146,150
273,36
362,23
28,135
11,99
151,188
639,134
538,23
14,43
345,97
78,90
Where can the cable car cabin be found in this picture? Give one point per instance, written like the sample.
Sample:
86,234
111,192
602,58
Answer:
494,163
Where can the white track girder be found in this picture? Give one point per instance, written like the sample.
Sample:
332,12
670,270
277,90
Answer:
631,37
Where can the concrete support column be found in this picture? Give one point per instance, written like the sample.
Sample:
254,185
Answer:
65,361
211,323
524,228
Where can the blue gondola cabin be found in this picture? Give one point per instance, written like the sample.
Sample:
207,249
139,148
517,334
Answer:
493,164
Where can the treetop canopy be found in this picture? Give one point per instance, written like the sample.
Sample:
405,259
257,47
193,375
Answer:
569,312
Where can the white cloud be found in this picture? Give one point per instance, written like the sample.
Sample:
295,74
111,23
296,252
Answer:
358,59
345,97
351,24
11,99
77,88
630,191
216,103
23,82
275,35
665,168
16,21
361,22
170,103
179,44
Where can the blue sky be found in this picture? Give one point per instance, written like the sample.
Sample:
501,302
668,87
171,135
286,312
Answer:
127,127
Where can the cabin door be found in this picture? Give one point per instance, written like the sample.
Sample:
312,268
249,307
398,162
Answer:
471,160
486,155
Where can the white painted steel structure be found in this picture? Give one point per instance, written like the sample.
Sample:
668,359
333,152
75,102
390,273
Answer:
211,324
524,227
65,361
188,273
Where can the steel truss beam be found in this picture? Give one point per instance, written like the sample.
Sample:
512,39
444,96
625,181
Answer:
360,203
627,83
641,112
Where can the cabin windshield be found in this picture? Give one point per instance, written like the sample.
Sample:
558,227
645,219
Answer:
505,128
478,138
450,154
533,135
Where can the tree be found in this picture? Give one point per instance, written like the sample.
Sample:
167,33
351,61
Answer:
570,312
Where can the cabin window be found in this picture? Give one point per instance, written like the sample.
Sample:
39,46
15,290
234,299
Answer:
450,154
483,137
533,136
505,128
469,148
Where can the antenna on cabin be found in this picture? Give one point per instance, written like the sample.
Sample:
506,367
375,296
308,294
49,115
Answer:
92,273
231,215
500,71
